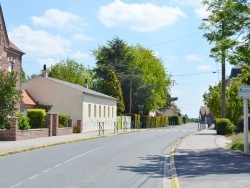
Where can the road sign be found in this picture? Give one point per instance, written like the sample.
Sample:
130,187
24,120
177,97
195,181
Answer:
244,92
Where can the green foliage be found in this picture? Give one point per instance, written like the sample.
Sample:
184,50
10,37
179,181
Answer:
175,120
71,71
237,145
184,120
139,72
10,95
63,120
43,106
239,126
23,76
113,88
234,104
23,122
37,118
224,126
134,118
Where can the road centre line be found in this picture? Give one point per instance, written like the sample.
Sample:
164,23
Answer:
16,185
32,177
47,170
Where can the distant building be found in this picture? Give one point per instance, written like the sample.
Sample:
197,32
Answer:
205,115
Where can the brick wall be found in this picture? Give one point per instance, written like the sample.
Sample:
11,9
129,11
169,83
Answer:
32,133
52,129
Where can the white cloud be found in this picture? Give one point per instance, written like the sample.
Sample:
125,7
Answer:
82,37
187,2
80,55
171,58
138,17
48,61
57,18
201,12
204,67
193,57
37,42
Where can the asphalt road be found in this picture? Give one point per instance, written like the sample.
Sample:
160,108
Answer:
129,160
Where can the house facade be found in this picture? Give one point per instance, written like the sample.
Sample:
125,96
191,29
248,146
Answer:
10,54
77,101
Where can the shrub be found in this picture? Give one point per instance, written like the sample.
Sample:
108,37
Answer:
239,127
37,118
23,122
4,122
175,120
224,126
63,120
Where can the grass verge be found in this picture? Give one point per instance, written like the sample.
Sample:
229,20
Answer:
238,142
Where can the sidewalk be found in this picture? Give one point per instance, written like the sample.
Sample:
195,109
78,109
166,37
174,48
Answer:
201,160
11,147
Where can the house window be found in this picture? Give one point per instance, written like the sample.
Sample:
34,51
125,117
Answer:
89,110
112,112
11,65
94,110
108,112
104,111
100,111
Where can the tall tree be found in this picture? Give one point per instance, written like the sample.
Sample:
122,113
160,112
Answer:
223,27
113,88
10,96
71,71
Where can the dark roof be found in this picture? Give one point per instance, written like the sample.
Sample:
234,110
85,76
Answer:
234,72
81,88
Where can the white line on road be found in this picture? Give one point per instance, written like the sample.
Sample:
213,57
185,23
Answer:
47,170
32,177
57,165
16,185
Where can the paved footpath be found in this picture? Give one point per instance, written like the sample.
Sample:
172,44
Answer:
201,161
11,147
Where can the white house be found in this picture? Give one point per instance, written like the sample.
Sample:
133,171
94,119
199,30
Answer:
77,101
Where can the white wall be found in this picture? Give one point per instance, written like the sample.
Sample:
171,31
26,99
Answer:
63,98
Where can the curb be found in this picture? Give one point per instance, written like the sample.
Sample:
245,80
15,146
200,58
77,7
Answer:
45,145
2,154
173,173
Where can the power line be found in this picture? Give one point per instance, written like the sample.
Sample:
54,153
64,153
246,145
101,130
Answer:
193,74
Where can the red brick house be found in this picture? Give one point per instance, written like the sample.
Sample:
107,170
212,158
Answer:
10,54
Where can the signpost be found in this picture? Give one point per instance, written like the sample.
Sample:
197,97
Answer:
244,93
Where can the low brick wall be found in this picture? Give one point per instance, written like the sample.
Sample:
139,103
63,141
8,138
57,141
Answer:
6,135
32,133
64,131
52,130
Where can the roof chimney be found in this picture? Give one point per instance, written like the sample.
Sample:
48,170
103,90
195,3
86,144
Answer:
44,71
86,83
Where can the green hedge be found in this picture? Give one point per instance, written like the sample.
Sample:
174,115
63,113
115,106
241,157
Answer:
23,122
239,127
37,118
63,120
224,126
175,120
135,118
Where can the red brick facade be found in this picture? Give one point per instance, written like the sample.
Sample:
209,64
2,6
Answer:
10,54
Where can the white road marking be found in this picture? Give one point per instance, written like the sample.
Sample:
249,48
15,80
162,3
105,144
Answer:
32,177
16,185
57,165
47,170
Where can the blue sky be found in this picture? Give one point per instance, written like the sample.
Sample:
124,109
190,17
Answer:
50,31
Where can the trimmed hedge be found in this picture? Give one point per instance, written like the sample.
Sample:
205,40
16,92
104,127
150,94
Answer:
239,127
175,120
224,126
37,118
23,122
63,120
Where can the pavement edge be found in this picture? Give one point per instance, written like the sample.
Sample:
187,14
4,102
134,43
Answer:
173,173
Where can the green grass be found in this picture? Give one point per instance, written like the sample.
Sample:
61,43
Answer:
238,142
